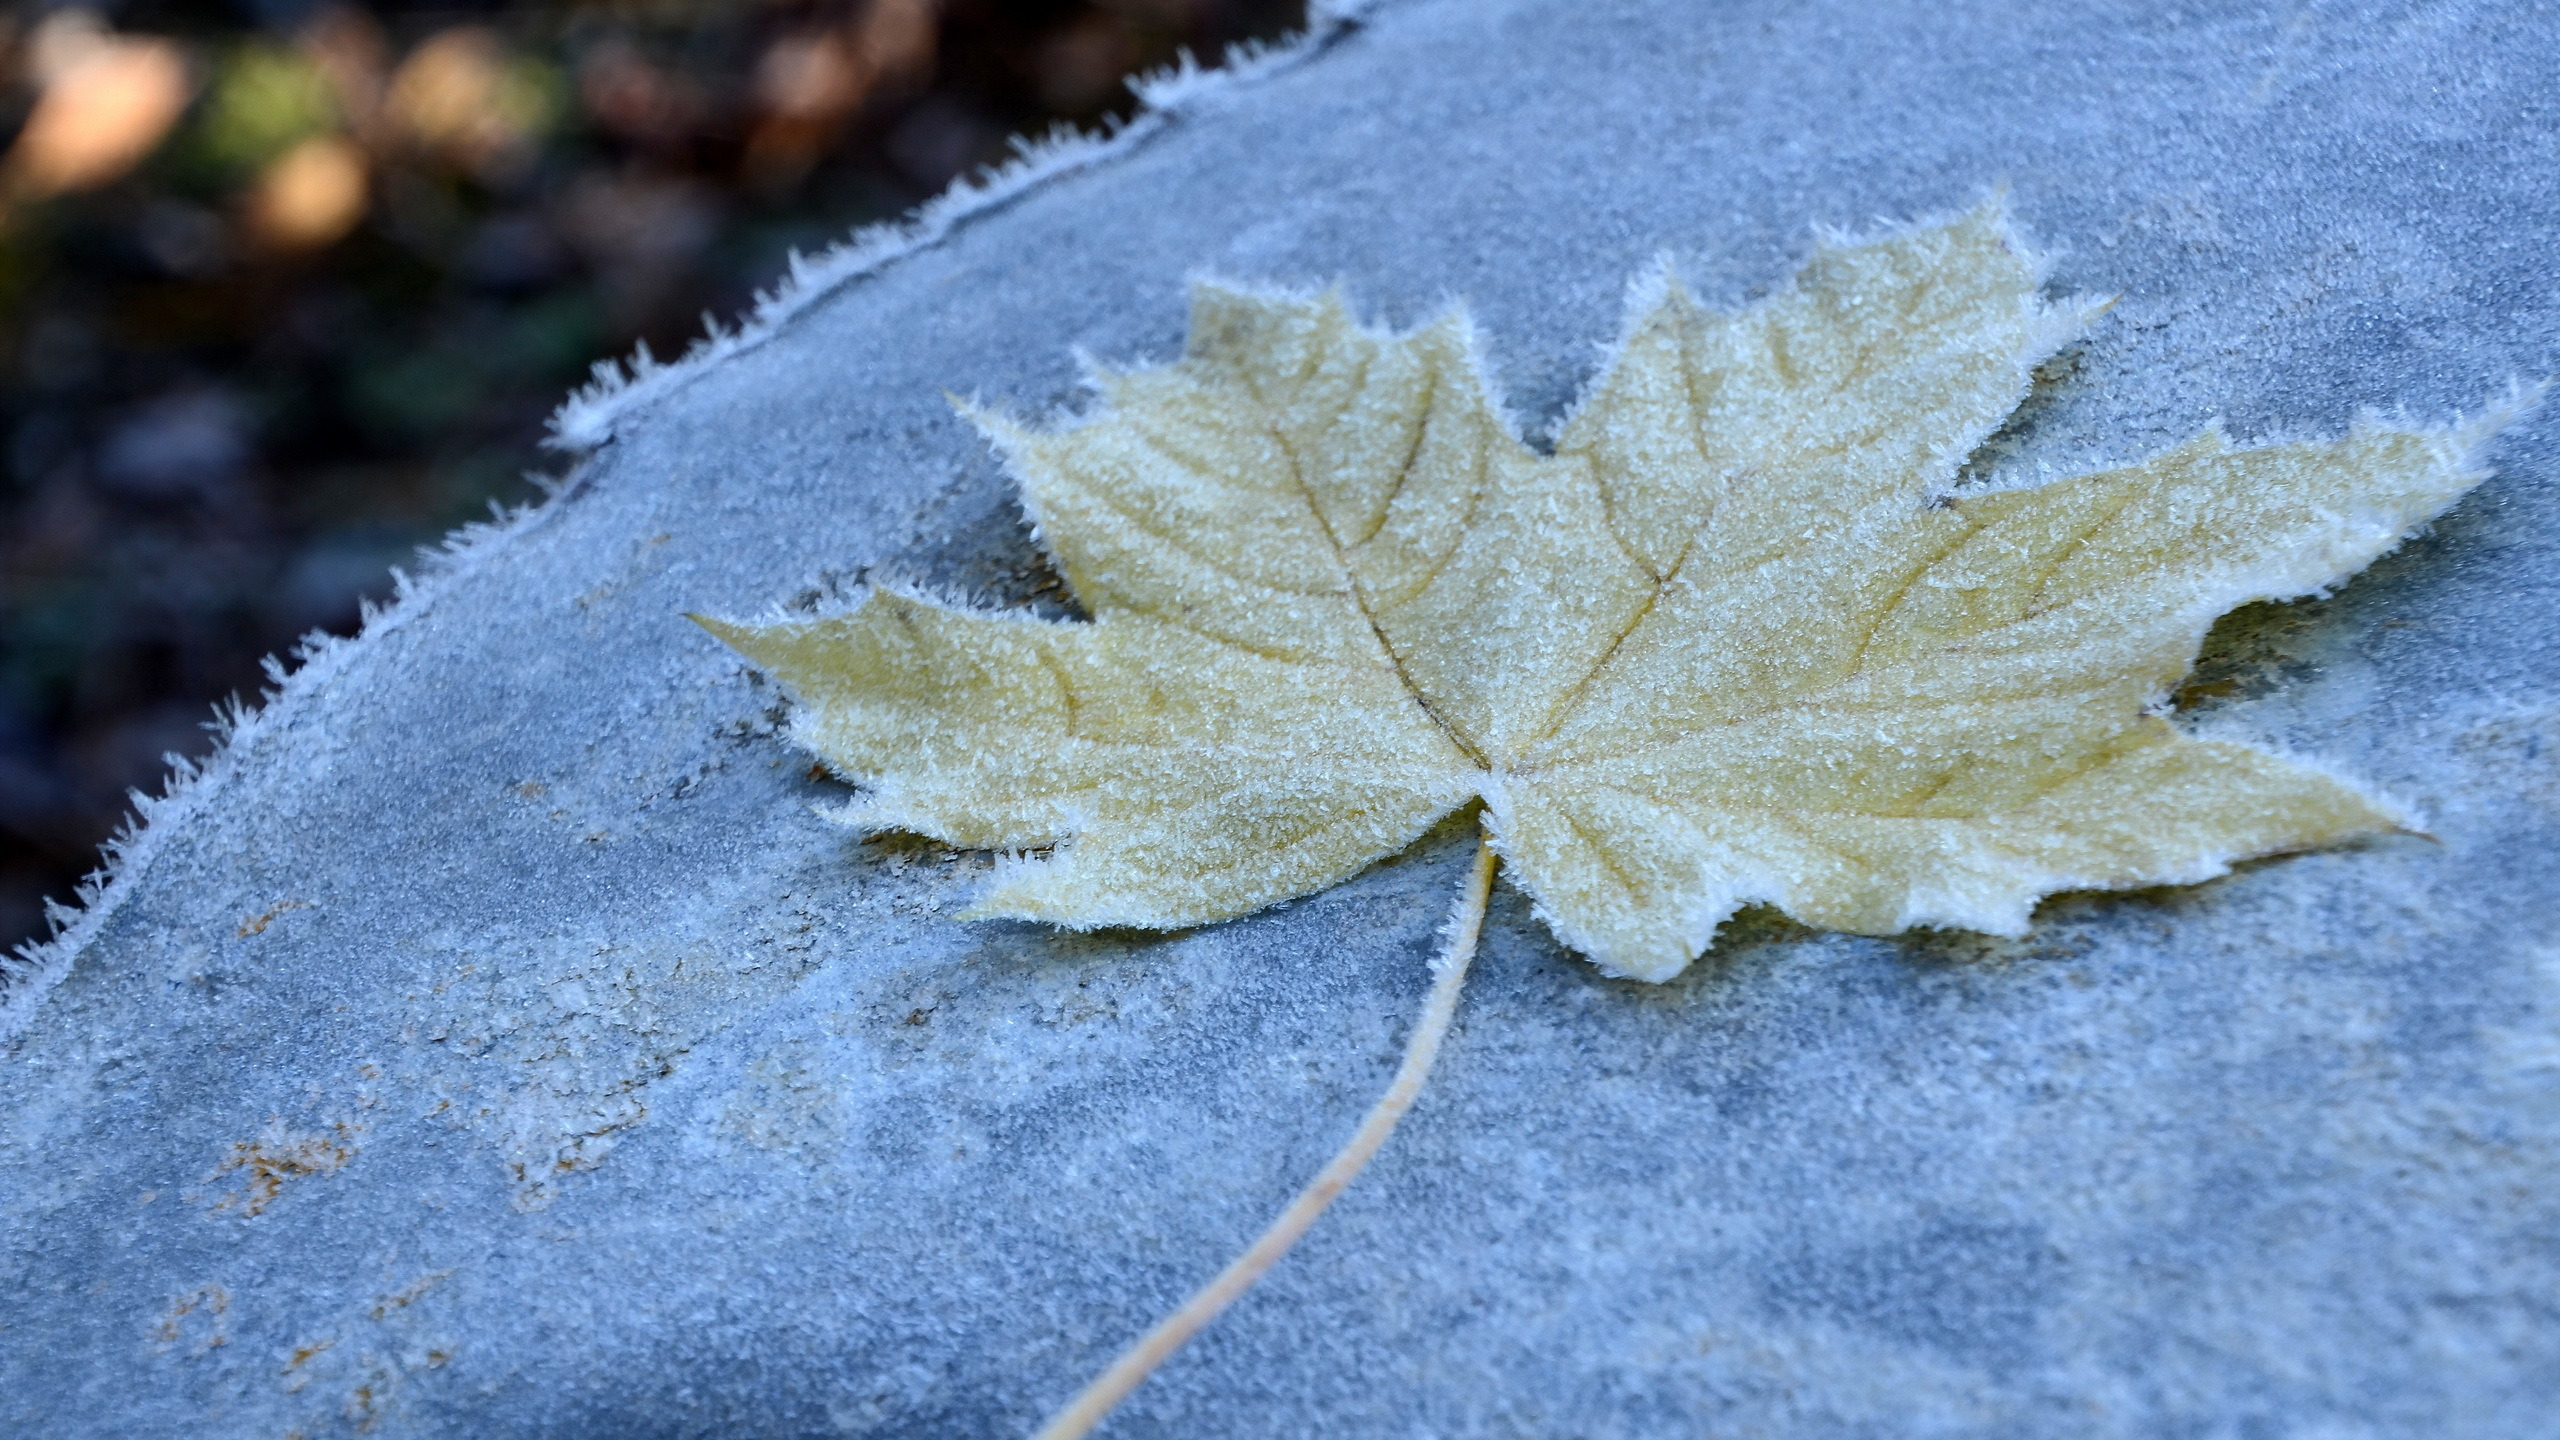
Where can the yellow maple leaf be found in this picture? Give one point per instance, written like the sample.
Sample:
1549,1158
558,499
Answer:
1732,642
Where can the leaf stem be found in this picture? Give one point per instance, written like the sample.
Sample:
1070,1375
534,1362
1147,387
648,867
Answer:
1449,971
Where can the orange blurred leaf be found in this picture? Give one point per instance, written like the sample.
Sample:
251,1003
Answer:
311,196
107,102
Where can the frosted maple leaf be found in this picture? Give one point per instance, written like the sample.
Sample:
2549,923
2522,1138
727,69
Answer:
1733,642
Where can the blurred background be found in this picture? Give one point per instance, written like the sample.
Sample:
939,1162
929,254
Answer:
287,289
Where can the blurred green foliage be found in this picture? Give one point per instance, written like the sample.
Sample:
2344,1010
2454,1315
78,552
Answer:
264,97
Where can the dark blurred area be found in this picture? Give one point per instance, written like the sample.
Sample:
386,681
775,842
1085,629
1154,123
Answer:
289,289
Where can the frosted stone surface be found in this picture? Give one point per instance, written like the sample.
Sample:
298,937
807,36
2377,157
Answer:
500,1046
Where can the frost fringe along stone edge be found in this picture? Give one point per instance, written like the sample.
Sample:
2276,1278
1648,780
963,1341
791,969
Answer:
587,420
584,423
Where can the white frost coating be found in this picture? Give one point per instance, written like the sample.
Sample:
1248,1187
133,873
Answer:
588,418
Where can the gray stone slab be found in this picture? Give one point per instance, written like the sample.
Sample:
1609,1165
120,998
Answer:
494,1044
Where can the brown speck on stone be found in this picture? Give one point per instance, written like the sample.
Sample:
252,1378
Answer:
257,924
277,1156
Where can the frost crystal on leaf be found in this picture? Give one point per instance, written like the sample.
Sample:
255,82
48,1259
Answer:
1731,643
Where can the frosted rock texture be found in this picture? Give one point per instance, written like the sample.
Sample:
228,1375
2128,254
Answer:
497,1045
